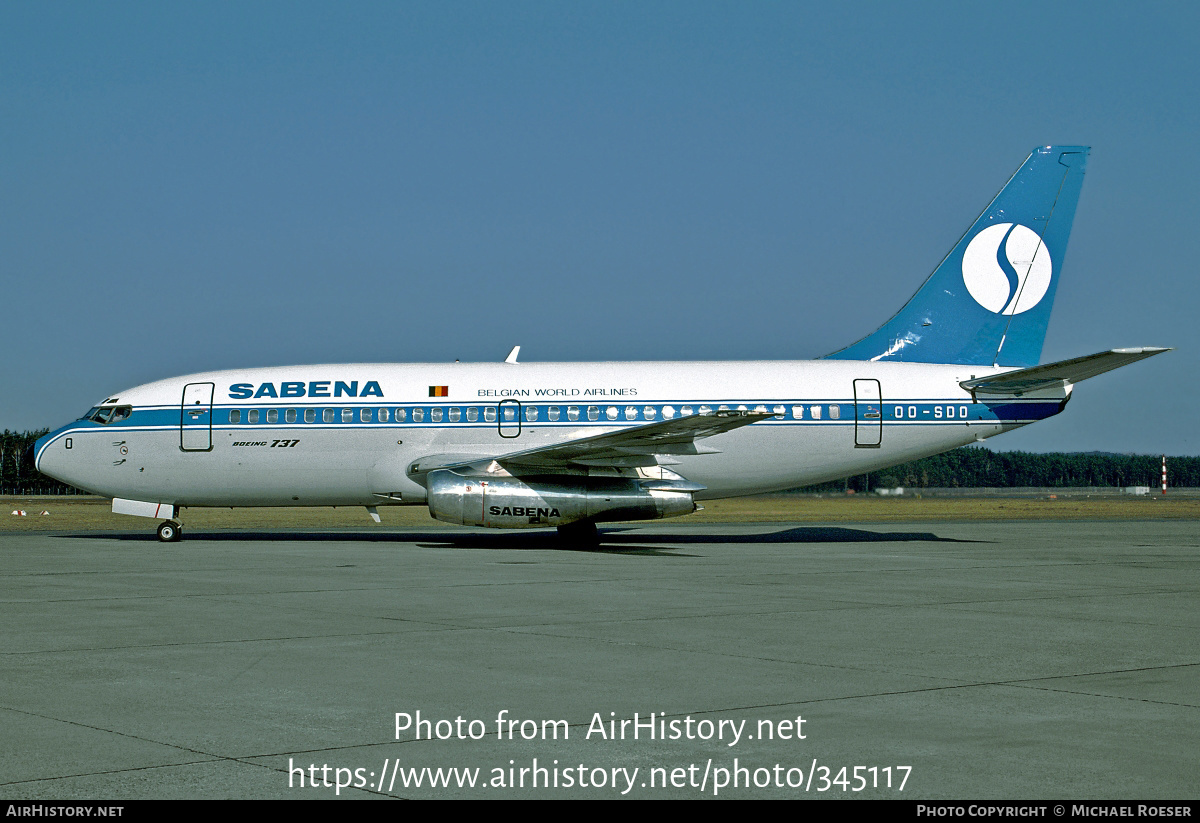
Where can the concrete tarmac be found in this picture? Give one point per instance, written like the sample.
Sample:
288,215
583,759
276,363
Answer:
1016,660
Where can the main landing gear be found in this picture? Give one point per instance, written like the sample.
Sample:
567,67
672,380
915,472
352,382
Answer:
170,532
580,533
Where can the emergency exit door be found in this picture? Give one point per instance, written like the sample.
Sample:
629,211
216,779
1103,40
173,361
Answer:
508,418
868,414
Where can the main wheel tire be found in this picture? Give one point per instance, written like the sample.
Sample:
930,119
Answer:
581,533
169,532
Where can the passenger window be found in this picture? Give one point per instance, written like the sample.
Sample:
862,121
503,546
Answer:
779,412
310,415
648,412
326,415
815,411
364,415
611,412
760,409
572,412
531,414
290,415
706,409
489,414
510,413
798,412
252,416
472,414
455,414
272,415
418,415
630,413
835,412
553,414
401,415
668,412
593,412
686,411
235,416
347,415
383,415
435,415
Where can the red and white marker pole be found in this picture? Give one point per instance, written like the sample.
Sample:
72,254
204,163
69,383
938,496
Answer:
1164,476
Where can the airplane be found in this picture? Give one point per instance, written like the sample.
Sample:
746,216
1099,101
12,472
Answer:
570,445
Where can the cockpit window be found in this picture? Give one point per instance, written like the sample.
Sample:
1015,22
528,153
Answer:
108,414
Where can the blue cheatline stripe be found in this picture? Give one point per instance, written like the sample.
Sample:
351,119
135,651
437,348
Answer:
1008,415
907,412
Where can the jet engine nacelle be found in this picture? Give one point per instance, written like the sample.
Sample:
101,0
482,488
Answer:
511,503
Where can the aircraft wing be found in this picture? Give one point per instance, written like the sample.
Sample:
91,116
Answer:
627,448
1058,375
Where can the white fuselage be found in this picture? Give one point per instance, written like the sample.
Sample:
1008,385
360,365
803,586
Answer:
345,434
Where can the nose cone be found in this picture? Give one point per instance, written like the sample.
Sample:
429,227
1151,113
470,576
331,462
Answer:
45,458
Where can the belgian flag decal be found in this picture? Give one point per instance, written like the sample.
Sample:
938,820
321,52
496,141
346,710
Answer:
439,391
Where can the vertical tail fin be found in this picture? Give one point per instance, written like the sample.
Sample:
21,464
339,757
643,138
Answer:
989,300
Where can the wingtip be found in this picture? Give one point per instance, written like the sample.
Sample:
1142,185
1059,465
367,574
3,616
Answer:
1147,350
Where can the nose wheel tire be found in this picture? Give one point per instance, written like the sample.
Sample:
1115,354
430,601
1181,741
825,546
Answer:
170,532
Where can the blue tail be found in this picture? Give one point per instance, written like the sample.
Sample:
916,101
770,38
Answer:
989,301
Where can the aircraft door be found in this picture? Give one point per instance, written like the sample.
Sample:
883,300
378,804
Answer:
868,414
508,418
195,418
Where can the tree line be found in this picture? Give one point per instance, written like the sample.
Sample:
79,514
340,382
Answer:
968,467
15,477
976,467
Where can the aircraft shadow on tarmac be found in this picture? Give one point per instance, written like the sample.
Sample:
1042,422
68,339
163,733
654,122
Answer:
612,541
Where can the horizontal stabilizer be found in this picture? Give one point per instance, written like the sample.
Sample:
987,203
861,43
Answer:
1060,374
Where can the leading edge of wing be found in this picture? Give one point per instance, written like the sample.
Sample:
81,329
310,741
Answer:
627,448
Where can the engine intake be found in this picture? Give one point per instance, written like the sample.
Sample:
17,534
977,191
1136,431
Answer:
511,503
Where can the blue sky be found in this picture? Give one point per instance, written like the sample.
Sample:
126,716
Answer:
196,186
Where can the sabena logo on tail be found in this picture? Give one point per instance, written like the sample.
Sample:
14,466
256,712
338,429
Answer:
1007,268
988,302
